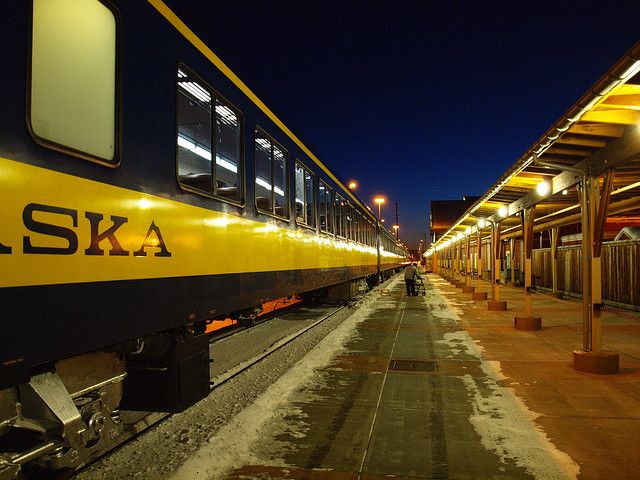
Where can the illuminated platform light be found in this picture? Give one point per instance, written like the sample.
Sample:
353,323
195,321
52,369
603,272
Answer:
543,188
482,223
503,211
632,70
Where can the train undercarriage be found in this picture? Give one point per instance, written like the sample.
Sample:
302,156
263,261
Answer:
69,413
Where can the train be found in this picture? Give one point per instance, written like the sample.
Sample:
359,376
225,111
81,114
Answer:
146,190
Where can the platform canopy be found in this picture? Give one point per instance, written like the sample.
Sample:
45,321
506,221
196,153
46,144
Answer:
599,134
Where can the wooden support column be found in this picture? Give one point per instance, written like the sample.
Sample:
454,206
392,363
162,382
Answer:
454,261
495,303
459,250
522,255
492,260
594,206
554,263
528,321
446,263
479,294
461,263
512,248
468,288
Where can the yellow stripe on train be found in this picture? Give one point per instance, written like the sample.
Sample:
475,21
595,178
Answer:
58,228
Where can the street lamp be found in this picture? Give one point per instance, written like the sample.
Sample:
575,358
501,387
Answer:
395,230
379,201
353,185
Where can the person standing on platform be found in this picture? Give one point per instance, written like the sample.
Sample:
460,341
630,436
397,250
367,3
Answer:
410,274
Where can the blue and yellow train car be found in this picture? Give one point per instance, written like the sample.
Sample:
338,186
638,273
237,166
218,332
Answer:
144,190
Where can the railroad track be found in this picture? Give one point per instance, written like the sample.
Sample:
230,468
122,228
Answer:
219,379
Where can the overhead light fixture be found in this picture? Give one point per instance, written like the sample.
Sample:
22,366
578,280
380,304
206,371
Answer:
503,211
482,223
543,188
565,191
467,231
632,70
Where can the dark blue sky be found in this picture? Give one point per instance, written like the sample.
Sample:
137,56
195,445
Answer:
418,101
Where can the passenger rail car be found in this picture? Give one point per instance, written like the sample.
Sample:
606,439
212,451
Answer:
144,190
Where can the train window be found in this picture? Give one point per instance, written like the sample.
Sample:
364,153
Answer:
367,240
299,185
271,176
339,203
73,99
360,227
310,198
228,142
325,199
305,211
346,221
203,136
356,225
352,223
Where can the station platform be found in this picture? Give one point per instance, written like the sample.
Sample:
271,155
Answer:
437,386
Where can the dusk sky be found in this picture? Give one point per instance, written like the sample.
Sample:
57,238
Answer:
418,101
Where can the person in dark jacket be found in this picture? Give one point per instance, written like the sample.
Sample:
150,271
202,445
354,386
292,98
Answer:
410,274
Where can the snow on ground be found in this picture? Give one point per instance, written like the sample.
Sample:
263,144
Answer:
231,446
505,424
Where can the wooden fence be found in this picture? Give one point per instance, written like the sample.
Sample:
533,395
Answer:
620,271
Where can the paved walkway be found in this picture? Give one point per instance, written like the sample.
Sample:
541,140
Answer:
438,387
595,419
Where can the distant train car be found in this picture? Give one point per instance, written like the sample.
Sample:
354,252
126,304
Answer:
144,190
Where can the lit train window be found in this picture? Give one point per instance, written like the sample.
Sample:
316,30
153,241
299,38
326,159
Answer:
203,136
325,200
305,211
73,99
271,176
